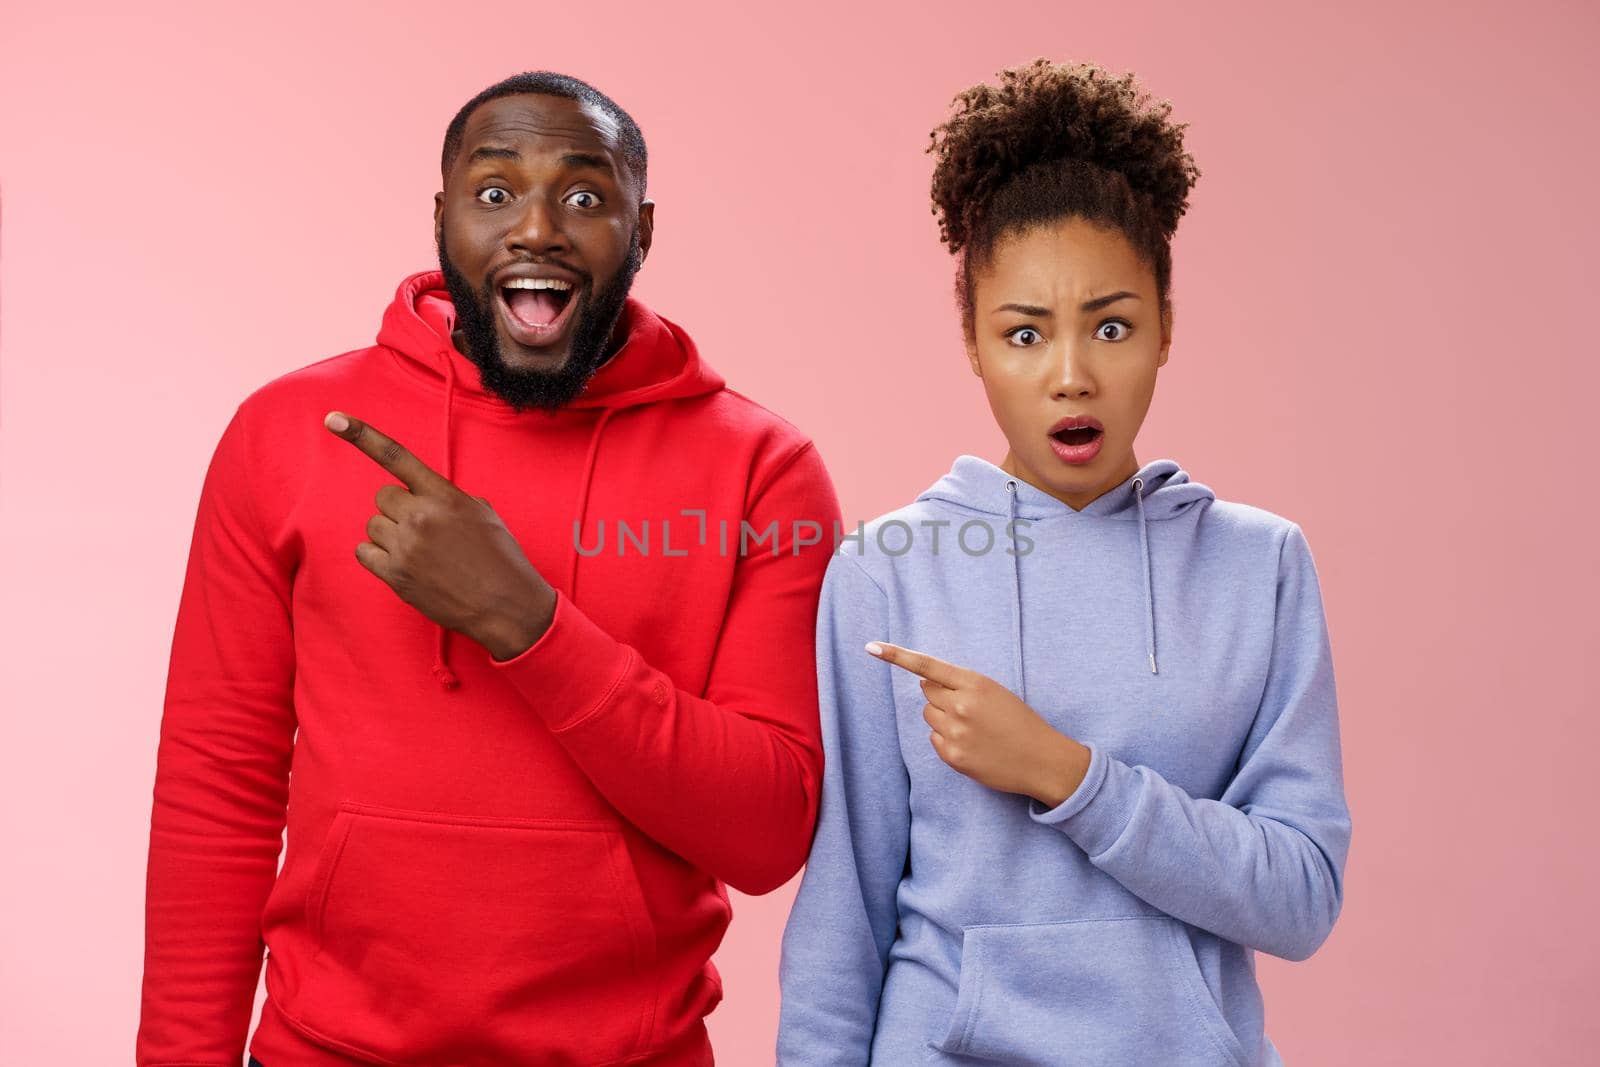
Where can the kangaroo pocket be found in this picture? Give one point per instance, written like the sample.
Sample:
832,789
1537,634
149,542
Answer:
465,941
1091,992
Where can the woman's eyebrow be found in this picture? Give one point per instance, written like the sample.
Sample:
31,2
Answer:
1111,298
1088,305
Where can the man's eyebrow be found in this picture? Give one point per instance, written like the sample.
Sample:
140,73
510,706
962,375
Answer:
586,159
493,152
1096,304
581,160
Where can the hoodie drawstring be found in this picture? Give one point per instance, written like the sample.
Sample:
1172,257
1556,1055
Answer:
441,659
441,666
1149,600
584,482
1016,573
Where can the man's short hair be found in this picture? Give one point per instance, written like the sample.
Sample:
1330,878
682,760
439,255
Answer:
548,83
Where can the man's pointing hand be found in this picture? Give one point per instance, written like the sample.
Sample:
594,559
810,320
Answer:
447,553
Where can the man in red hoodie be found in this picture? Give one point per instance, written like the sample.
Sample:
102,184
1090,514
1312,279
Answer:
535,639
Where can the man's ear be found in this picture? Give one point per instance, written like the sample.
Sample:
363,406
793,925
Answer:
647,227
438,216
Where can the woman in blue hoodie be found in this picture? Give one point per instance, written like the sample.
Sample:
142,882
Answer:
1081,736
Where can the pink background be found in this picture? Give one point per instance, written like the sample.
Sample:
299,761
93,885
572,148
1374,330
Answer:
1384,292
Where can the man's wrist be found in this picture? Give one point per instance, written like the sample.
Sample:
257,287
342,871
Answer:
517,630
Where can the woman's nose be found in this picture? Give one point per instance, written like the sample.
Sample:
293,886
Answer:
1071,375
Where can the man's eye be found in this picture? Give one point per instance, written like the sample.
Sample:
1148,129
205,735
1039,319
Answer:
1122,329
1024,336
494,195
583,198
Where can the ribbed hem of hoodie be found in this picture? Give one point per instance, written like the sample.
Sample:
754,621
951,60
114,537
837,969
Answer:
572,671
1096,813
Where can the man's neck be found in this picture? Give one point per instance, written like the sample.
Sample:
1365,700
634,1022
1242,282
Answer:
619,337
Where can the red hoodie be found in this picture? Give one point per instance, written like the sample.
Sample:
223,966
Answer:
487,863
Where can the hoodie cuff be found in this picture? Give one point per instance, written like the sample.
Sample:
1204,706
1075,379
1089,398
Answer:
572,671
1097,812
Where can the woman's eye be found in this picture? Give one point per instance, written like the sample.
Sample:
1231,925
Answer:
583,198
1121,329
494,195
1024,336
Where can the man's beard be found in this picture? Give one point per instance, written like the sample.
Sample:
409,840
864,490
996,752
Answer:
593,320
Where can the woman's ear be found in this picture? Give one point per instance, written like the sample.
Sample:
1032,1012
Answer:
969,326
1166,335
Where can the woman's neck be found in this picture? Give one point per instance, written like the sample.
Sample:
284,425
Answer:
1077,501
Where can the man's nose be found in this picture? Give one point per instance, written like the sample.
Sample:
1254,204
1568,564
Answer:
537,230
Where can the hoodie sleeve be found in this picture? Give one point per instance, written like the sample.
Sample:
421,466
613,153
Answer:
1263,865
727,780
836,943
222,775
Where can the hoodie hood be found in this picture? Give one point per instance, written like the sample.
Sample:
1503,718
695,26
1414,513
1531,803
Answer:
657,361
1158,490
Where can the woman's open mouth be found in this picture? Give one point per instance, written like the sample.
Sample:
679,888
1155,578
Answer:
1078,439
536,310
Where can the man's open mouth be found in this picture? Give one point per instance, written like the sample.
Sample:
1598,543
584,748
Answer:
537,308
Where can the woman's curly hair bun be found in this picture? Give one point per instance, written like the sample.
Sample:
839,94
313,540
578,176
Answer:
1043,113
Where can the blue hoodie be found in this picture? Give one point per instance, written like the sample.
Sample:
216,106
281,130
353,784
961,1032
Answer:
1181,639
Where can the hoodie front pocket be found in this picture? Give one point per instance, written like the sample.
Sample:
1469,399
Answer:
1090,992
446,939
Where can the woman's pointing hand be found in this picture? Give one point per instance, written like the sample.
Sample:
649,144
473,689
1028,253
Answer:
985,731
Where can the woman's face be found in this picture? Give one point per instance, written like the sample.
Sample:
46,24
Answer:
1066,330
